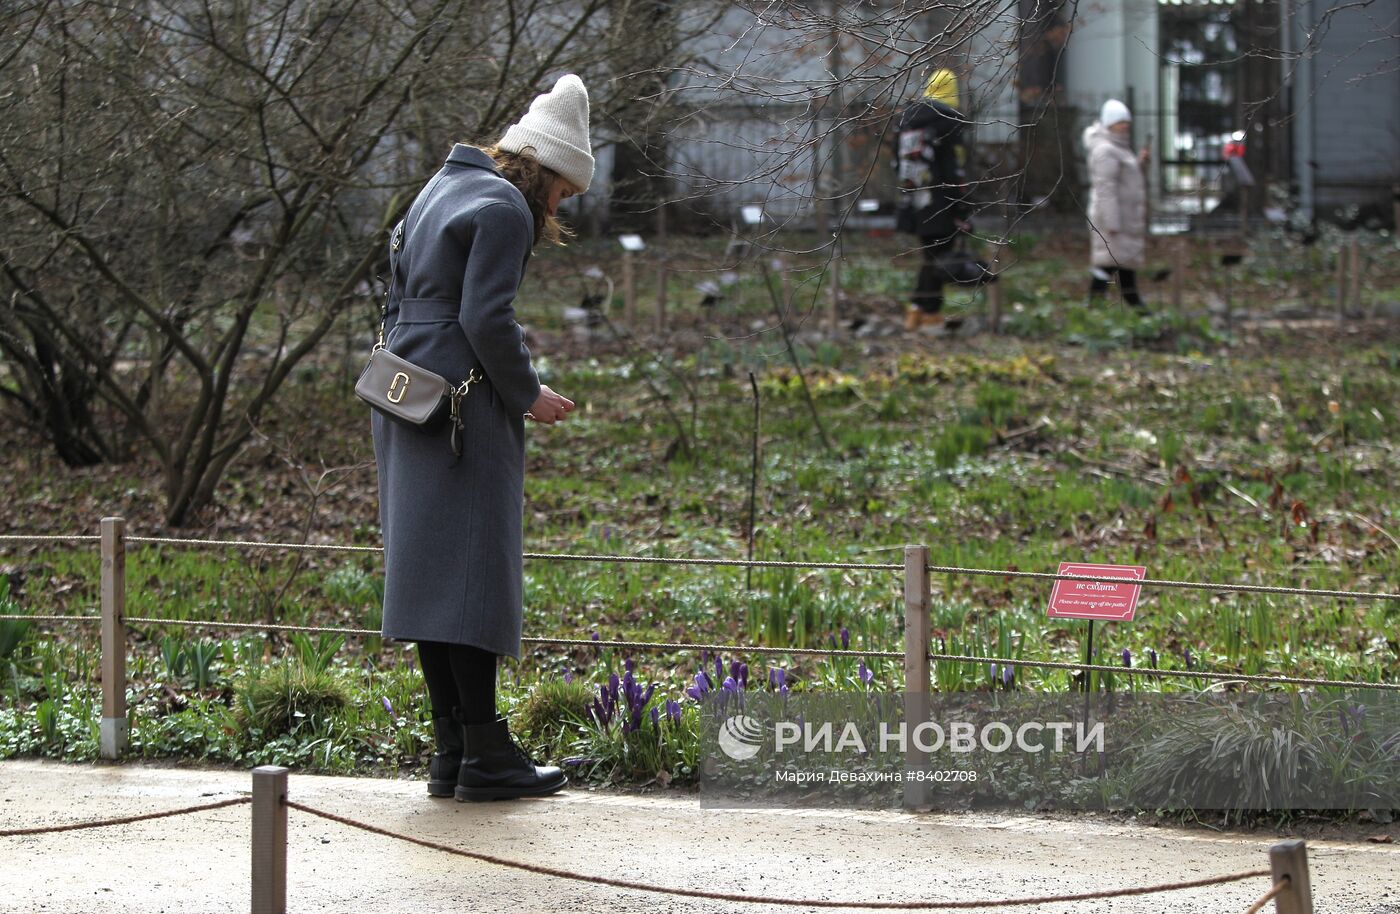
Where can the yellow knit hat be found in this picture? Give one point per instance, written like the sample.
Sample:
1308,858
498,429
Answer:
942,87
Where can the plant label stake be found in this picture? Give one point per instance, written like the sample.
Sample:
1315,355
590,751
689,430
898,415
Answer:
631,245
753,482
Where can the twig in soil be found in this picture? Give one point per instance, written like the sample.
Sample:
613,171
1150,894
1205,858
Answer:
1234,491
1375,526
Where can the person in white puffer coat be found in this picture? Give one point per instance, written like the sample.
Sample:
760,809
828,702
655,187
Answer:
1117,203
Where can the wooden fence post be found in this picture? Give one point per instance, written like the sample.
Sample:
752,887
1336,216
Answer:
663,277
994,290
1354,252
1179,260
1290,858
114,731
833,303
916,670
1341,283
1395,206
629,291
269,840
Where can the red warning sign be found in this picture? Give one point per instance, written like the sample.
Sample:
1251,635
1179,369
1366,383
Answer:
1096,599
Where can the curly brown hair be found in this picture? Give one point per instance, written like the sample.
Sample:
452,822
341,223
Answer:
534,181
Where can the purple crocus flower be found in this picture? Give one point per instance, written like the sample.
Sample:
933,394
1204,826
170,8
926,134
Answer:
734,670
629,664
594,635
719,669
656,717
701,687
604,707
637,701
743,675
568,677
1008,676
772,677
1127,657
992,671
730,685
673,711
388,707
866,676
845,640
1188,658
1152,657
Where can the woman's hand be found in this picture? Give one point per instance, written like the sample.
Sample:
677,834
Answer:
550,408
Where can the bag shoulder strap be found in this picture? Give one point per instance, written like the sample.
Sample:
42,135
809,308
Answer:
395,254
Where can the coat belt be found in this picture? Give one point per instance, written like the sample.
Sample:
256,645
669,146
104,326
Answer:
428,310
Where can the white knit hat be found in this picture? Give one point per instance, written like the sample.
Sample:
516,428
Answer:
555,130
1114,112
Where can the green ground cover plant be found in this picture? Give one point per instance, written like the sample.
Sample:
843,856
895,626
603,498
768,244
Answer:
1257,455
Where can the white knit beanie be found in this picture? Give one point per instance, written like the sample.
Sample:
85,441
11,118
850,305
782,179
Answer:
1114,112
555,130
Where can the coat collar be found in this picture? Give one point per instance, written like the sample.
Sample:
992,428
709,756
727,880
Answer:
462,154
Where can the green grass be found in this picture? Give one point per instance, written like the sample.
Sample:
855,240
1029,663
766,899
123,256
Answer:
1085,435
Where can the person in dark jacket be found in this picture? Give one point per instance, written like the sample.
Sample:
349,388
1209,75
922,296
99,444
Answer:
452,528
932,187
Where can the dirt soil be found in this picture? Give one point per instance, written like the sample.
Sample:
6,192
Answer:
200,862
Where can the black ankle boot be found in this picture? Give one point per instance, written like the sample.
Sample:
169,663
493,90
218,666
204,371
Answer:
447,760
495,768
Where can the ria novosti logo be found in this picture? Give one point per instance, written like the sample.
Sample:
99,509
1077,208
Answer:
740,737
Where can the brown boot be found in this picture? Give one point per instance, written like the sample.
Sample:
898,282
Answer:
916,318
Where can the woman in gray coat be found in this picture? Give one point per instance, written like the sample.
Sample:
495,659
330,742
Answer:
452,526
1117,203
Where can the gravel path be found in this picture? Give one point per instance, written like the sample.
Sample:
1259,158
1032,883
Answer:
200,862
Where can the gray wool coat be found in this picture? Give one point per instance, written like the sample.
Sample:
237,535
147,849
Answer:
452,533
1117,201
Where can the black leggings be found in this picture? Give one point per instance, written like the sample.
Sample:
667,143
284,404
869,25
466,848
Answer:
1127,283
459,677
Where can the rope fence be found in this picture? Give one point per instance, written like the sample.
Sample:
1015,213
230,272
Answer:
49,538
956,570
121,820
1177,674
918,905
742,649
1279,888
21,617
1291,891
916,656
255,626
